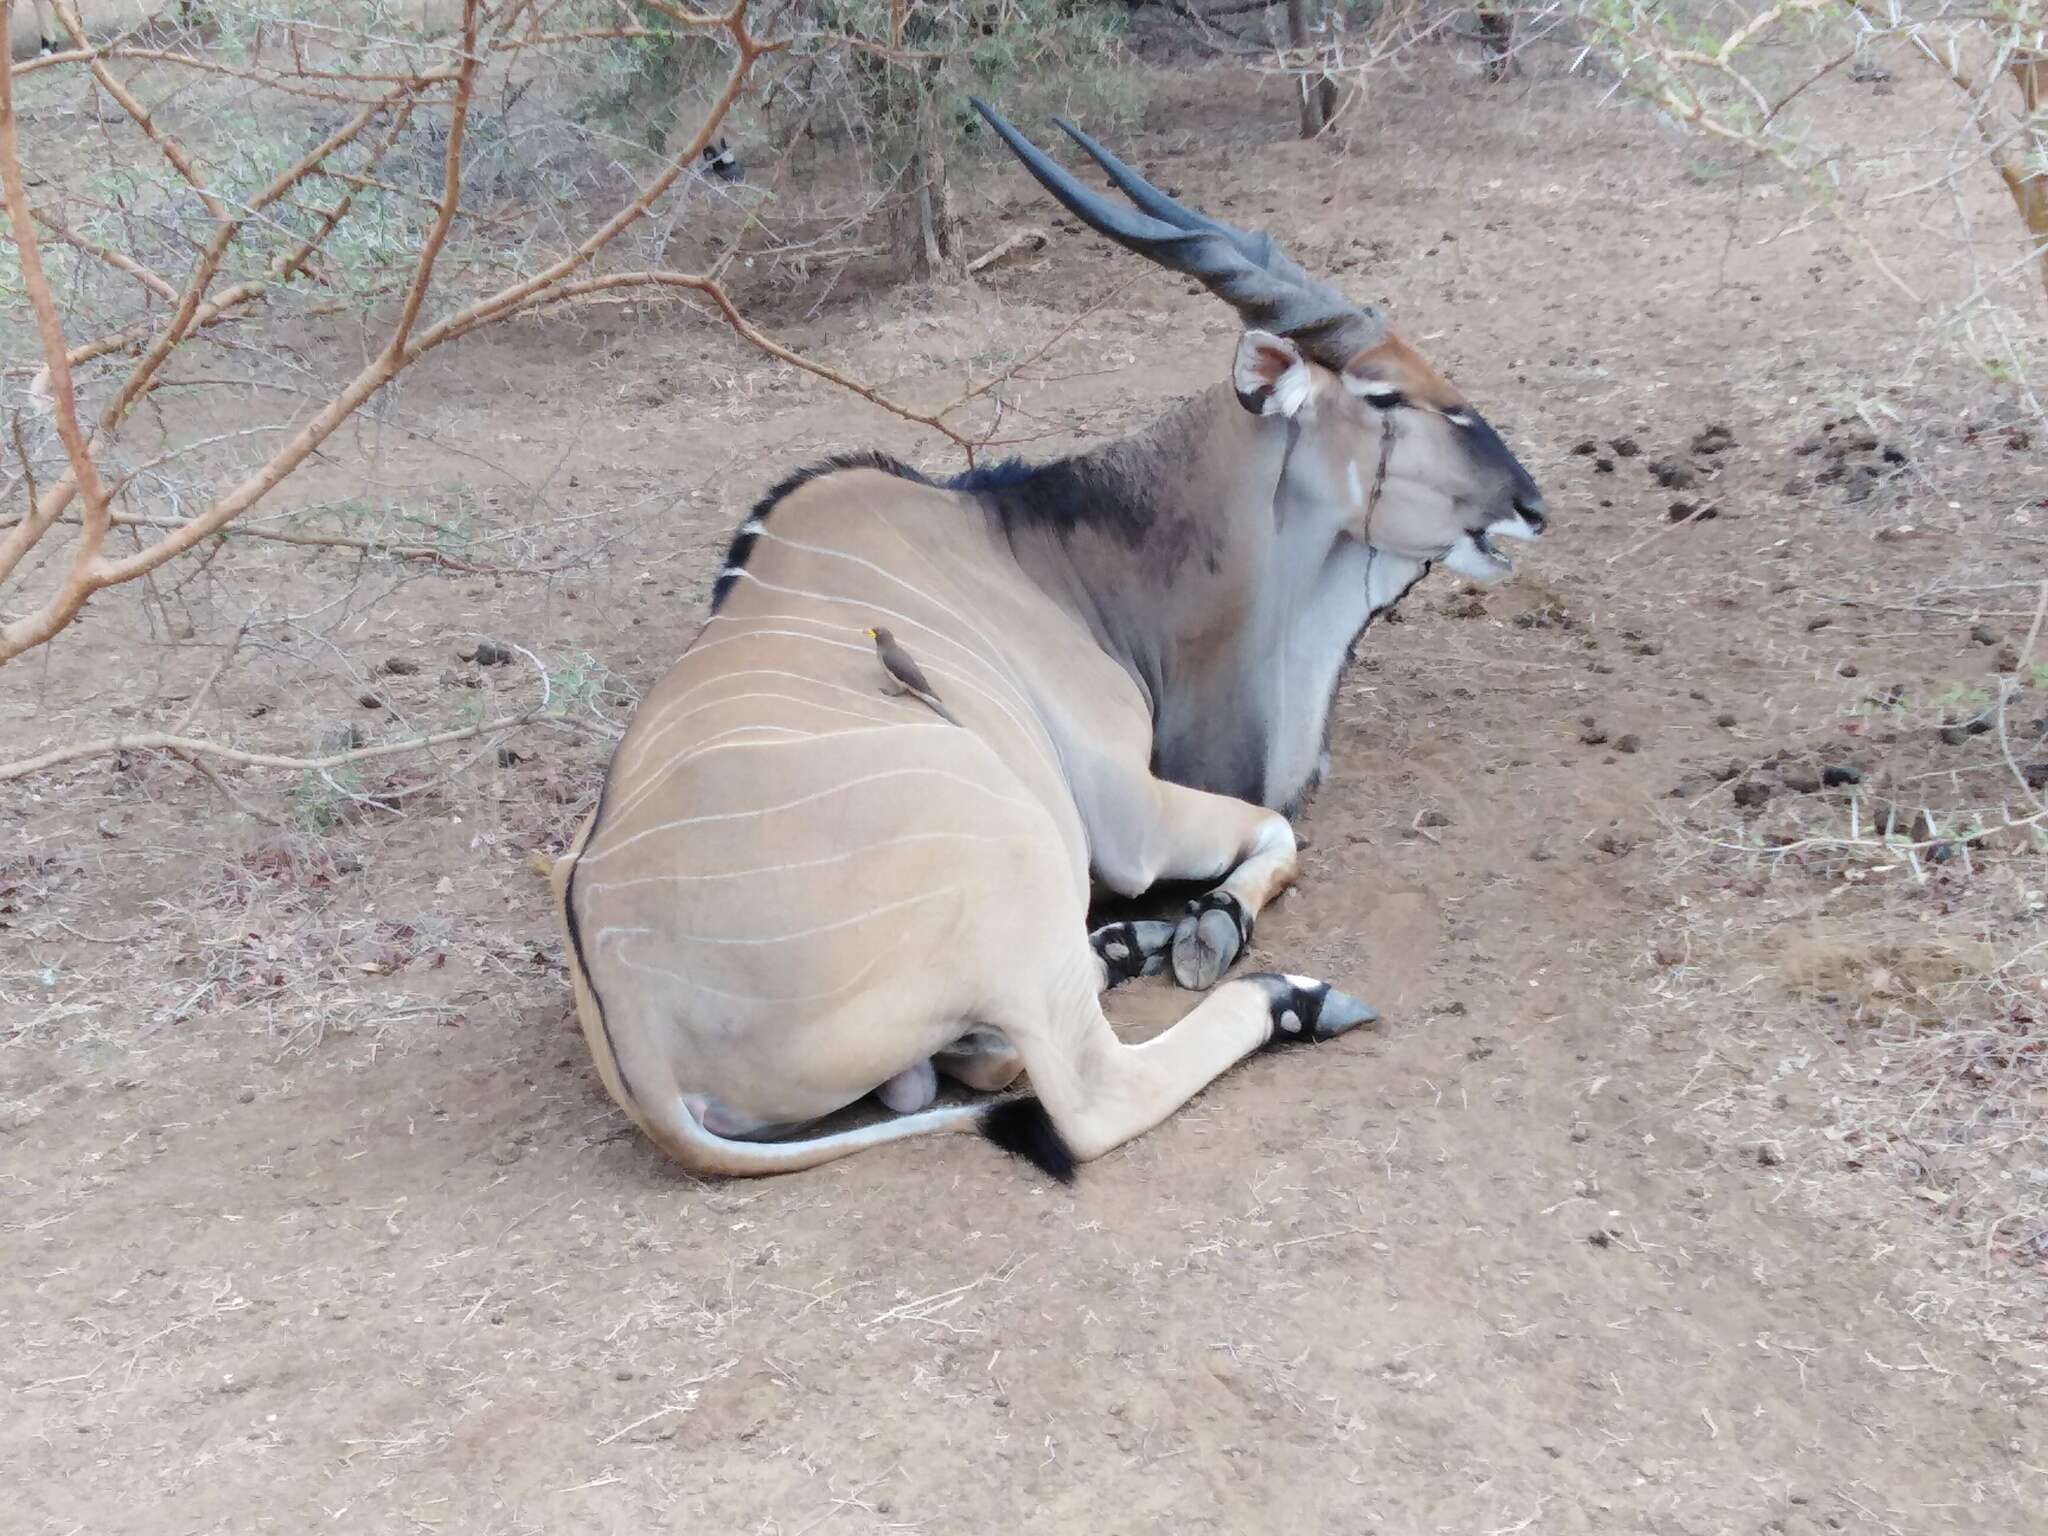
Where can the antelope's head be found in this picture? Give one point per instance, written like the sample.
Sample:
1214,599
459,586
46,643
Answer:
1395,454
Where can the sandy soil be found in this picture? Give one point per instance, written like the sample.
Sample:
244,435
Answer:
315,1216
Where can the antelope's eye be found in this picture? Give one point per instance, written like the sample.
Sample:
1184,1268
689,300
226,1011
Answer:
1381,397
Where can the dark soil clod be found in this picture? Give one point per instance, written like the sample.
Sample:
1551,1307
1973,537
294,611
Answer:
1751,793
1835,775
1624,447
1673,474
1713,439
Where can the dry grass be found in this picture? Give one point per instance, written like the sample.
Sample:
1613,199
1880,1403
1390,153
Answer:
1871,985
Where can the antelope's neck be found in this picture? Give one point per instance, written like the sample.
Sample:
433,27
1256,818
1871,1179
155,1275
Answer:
1231,600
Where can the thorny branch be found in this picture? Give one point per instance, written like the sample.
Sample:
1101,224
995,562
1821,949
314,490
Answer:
217,230
196,303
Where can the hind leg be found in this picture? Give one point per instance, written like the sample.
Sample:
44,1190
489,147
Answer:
1100,1092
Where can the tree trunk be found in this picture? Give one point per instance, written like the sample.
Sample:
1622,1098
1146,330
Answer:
933,235
1301,40
1497,40
2024,177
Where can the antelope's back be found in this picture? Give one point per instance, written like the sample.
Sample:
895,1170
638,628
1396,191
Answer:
776,828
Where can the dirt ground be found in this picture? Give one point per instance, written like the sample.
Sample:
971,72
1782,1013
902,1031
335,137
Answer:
315,1215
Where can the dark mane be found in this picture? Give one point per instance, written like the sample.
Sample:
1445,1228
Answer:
1110,489
743,538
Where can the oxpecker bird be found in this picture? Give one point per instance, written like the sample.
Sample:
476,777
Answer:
905,676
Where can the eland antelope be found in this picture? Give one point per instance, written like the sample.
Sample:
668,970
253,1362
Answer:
721,162
798,886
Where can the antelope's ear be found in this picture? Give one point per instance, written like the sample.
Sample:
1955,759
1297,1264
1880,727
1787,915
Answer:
1271,375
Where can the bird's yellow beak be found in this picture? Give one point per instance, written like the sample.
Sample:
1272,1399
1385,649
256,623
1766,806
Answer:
869,633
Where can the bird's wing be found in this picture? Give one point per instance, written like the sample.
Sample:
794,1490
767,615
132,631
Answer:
908,671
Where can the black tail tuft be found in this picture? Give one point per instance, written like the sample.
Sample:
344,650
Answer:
1022,1128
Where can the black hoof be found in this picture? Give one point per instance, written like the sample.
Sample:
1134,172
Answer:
1215,931
1303,1010
1132,949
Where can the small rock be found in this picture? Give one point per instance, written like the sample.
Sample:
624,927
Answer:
1954,735
1593,735
1983,634
1769,1155
1580,1133
1751,793
1811,446
1725,720
506,1153
1800,780
370,701
488,653
1624,447
1669,952
2008,659
1814,625
1835,775
1603,466
246,1096
1848,669
1723,772
1433,818
1673,475
1631,743
1894,455
1585,448
398,666
1714,439
1614,843
2019,439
